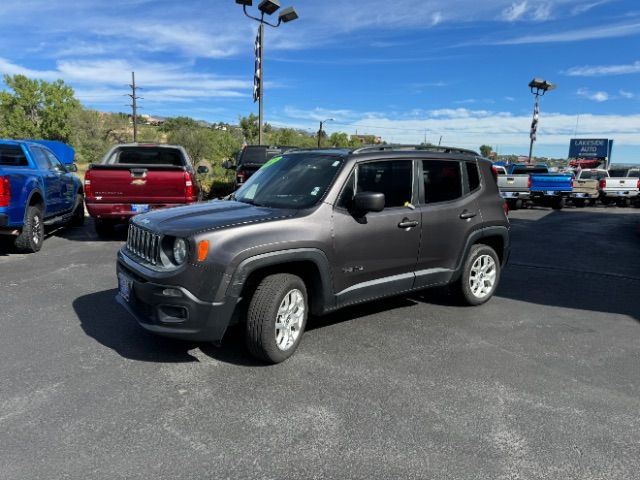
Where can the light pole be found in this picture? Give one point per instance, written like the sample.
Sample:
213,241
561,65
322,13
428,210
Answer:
266,7
320,131
538,88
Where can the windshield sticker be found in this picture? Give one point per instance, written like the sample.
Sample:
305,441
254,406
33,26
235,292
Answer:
251,193
315,191
336,163
272,161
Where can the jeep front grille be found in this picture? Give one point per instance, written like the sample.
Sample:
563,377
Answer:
144,244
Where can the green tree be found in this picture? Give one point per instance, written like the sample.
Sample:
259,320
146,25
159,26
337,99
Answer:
485,150
37,109
339,139
250,128
177,123
94,132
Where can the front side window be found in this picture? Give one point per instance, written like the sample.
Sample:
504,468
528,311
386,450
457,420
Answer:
291,181
394,178
56,165
442,180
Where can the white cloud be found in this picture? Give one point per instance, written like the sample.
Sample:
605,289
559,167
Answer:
627,95
601,70
595,96
542,12
514,12
593,33
585,7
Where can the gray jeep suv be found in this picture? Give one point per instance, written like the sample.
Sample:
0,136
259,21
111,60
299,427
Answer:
313,231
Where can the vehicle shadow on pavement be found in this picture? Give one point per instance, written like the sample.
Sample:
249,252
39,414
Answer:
108,323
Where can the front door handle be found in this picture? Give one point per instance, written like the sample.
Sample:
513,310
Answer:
466,215
406,223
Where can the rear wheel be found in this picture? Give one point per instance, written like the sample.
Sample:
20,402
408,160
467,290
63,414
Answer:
480,276
605,200
623,202
32,235
277,317
558,203
579,203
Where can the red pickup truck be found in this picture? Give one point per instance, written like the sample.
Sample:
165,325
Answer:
135,178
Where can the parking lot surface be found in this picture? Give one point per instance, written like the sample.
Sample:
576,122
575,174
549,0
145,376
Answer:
542,382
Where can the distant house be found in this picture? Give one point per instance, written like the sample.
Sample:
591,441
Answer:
155,121
367,139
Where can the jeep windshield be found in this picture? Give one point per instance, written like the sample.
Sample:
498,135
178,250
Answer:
296,180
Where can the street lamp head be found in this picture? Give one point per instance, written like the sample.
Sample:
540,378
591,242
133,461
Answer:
245,3
288,15
269,7
538,85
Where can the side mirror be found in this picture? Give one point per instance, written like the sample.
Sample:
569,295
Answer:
72,167
365,202
228,165
202,169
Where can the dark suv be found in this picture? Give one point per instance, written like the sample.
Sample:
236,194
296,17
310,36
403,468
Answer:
313,231
251,158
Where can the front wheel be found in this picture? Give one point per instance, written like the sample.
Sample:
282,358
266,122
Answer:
480,276
32,235
277,317
77,219
558,203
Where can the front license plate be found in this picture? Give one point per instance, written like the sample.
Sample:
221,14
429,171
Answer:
139,208
125,285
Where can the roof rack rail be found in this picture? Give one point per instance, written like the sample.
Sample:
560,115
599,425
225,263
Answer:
425,148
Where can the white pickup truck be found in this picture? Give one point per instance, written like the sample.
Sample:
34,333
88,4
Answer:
586,186
622,186
513,182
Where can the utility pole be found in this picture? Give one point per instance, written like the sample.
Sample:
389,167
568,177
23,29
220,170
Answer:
134,105
322,122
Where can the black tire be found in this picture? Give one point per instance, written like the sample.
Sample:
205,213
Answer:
605,200
558,203
104,228
32,235
262,316
462,289
591,202
579,203
77,219
623,203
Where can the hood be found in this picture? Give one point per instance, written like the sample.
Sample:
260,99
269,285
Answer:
189,220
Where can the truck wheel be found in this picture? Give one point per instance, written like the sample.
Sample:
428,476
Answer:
605,200
480,276
276,317
579,203
77,219
32,235
591,202
623,202
104,228
558,204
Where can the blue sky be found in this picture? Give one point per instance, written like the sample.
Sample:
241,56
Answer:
401,69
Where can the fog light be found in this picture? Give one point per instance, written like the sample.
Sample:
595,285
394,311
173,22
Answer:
171,292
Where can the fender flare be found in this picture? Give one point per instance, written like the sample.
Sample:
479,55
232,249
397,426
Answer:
233,288
479,235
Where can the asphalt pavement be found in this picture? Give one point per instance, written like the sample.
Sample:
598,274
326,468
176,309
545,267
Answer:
542,382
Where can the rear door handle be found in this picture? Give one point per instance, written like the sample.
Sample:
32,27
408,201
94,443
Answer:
406,223
466,215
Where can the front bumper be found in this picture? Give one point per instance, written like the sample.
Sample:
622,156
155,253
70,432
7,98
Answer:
171,310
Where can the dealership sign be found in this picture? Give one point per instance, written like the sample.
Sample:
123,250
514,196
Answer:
590,148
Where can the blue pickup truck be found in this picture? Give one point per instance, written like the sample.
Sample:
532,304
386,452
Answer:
550,189
37,188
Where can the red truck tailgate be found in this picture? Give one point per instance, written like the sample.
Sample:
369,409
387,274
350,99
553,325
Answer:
149,184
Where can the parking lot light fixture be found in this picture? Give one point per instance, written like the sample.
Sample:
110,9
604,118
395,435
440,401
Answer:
266,7
538,88
269,7
320,130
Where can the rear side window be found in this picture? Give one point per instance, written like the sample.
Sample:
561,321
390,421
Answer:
147,156
473,176
41,158
12,156
442,180
393,178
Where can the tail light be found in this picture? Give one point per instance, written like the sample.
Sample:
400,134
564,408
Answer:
639,183
241,176
188,186
505,207
603,183
529,182
494,172
88,189
5,191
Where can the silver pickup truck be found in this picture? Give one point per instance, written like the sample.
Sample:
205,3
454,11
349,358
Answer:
622,186
513,183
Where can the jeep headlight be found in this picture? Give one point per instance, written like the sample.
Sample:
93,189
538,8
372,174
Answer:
179,251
